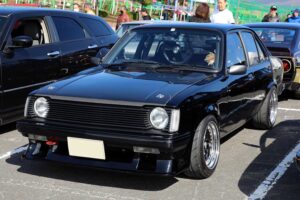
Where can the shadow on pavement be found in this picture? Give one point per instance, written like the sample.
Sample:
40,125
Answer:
7,128
274,145
91,175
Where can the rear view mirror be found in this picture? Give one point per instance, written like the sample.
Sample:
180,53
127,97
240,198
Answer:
237,69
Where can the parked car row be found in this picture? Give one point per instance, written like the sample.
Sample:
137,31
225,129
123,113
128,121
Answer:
159,101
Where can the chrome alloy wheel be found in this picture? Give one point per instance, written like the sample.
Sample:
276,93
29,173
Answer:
273,106
211,145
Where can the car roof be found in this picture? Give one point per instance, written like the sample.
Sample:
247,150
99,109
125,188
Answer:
141,22
274,25
11,10
193,25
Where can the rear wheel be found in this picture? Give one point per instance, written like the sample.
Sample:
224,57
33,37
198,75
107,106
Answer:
205,149
266,116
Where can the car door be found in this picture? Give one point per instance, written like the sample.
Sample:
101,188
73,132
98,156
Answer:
260,67
25,69
235,112
76,46
102,32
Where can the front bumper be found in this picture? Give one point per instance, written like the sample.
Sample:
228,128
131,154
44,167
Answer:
173,156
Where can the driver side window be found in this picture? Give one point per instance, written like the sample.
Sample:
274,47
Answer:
34,28
234,52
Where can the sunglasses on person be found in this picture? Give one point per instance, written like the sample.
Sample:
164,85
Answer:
273,9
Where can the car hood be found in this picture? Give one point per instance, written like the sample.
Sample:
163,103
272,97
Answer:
124,86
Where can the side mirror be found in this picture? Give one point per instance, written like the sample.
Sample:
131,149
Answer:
237,69
22,41
96,60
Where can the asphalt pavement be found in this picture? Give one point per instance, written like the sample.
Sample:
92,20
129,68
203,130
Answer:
253,164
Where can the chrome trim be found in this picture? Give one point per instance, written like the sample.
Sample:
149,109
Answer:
54,53
100,101
27,86
26,106
92,46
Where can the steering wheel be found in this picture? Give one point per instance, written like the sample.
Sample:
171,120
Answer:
175,53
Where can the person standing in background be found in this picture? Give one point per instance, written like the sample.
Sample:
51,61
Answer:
201,14
76,7
145,14
88,9
295,18
123,17
222,15
272,16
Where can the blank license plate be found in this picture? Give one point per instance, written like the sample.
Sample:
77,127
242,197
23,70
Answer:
86,148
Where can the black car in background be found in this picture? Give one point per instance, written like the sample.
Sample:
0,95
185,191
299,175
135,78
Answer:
39,46
283,41
159,103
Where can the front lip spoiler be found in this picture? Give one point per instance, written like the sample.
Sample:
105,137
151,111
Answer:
170,144
163,167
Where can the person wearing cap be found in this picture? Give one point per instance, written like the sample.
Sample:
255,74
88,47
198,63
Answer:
295,18
272,16
145,14
222,15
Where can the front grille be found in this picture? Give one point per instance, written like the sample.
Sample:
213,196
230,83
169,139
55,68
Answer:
289,76
97,115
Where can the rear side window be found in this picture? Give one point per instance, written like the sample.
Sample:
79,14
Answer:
251,48
68,29
96,26
235,51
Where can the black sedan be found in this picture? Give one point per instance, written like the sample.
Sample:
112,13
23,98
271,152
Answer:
282,39
159,102
39,46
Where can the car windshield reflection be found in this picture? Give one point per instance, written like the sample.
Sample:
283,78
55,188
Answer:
189,49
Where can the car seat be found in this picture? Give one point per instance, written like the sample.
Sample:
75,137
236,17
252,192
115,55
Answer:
33,30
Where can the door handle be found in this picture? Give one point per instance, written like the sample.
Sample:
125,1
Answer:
92,46
53,54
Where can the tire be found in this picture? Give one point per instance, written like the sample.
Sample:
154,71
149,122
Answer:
204,159
266,116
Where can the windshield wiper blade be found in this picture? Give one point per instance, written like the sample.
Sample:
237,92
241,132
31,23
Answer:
128,62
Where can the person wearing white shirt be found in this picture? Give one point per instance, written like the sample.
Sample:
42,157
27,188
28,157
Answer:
222,15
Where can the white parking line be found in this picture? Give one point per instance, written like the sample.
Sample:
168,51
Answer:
274,176
289,109
15,151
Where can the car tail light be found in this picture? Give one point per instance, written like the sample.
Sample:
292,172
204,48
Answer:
287,65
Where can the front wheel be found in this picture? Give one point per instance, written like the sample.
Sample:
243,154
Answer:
266,116
205,149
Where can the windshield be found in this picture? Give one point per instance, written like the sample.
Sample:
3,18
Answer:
2,22
169,47
275,35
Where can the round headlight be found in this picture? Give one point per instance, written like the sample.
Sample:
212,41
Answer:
159,118
41,107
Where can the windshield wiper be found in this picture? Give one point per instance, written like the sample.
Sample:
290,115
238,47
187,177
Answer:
182,67
132,61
